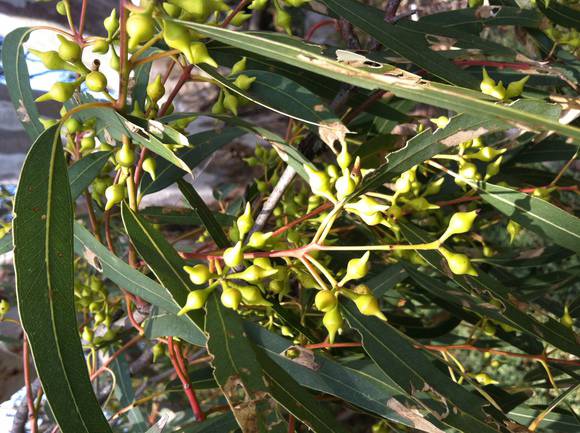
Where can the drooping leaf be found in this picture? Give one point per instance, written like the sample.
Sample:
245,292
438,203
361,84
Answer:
18,81
6,244
43,260
238,372
118,271
84,171
204,214
163,260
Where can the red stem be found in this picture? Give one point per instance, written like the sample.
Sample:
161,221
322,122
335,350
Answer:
82,19
313,29
115,355
241,5
183,78
177,361
28,383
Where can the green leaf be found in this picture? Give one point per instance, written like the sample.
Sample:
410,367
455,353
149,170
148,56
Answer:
560,14
116,270
535,214
398,82
43,261
237,370
404,42
163,260
279,94
181,216
6,244
295,399
148,133
550,330
412,370
141,78
162,324
84,171
125,394
18,81
425,145
553,422
470,19
204,145
225,423
204,214
322,374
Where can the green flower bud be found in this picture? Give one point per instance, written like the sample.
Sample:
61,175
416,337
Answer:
515,88
258,5
253,274
493,168
468,171
96,81
233,256
332,321
319,182
61,8
239,66
259,239
68,50
149,166
263,262
196,300
485,154
283,20
59,92
253,296
200,55
114,194
178,37
88,334
244,82
4,308
245,222
369,306
344,159
111,23
125,156
230,102
325,301
115,62
87,143
239,19
231,298
441,122
459,264
485,379
72,125
198,9
345,185
487,84
158,350
565,320
47,122
198,274
140,28
513,229
460,222
356,268
155,89
420,204
51,60
434,187
101,46
489,329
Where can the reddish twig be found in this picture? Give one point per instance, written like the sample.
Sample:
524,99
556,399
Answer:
175,356
309,215
291,424
241,5
28,384
320,24
82,19
123,56
115,355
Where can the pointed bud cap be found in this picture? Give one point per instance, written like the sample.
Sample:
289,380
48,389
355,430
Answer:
198,274
233,256
333,322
